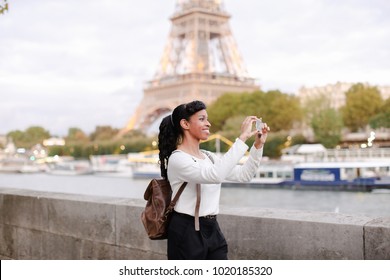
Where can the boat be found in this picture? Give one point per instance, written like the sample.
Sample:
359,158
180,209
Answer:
18,165
146,171
111,165
351,175
144,165
70,167
311,166
346,176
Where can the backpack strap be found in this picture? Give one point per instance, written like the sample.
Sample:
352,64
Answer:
198,196
208,155
176,198
197,206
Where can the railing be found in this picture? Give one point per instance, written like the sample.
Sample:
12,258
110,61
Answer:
209,77
354,154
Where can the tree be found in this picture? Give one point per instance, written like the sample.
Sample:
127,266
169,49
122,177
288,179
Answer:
313,105
4,7
17,137
278,110
362,103
104,133
325,121
221,109
76,135
382,119
36,134
32,136
327,125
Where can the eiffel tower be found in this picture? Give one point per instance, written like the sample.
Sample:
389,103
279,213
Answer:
201,61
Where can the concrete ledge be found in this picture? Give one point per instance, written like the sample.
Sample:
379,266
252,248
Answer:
277,234
41,225
377,239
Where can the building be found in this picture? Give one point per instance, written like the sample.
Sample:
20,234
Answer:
335,92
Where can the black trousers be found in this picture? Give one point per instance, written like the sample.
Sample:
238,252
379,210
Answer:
184,243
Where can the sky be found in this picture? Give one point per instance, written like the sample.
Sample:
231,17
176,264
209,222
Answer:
84,63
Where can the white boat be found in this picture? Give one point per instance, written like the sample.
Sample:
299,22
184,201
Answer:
70,167
348,176
274,172
146,171
111,165
18,165
144,165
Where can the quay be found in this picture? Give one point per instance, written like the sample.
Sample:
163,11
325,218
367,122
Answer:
44,225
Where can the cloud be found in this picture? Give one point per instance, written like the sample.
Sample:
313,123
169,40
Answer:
63,63
287,44
84,63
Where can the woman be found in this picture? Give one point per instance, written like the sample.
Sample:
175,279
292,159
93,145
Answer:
182,160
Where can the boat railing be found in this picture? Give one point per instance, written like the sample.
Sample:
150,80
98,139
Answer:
351,154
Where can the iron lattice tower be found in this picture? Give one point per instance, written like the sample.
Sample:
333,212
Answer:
200,61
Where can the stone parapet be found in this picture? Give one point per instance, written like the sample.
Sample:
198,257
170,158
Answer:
42,225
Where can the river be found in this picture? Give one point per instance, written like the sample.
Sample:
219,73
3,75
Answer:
373,204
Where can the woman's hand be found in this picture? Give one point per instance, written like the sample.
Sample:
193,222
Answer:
261,136
246,132
246,128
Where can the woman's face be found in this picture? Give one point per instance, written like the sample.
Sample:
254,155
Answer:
199,125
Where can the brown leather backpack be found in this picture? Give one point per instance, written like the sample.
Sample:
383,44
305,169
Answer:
159,207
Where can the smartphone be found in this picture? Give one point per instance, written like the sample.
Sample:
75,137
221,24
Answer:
259,124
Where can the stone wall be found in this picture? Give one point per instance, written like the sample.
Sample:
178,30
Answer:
41,225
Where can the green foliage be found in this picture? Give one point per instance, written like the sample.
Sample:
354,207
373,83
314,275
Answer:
3,7
57,151
76,135
106,141
104,133
220,110
233,124
279,110
325,121
362,103
17,137
84,150
298,139
30,137
275,144
314,105
327,125
382,119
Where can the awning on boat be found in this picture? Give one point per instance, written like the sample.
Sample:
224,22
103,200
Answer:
304,149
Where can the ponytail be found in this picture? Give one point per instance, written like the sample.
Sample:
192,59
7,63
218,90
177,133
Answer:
167,139
171,131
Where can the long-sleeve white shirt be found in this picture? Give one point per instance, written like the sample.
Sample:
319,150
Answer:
183,167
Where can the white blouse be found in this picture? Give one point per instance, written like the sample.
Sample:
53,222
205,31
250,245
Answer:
183,167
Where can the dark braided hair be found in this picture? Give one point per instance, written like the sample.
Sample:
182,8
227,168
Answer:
171,131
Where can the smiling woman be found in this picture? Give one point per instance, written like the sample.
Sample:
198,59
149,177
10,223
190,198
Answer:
193,231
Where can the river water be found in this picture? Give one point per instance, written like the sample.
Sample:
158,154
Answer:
373,204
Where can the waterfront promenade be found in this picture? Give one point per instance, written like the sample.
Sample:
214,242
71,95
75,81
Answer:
44,225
